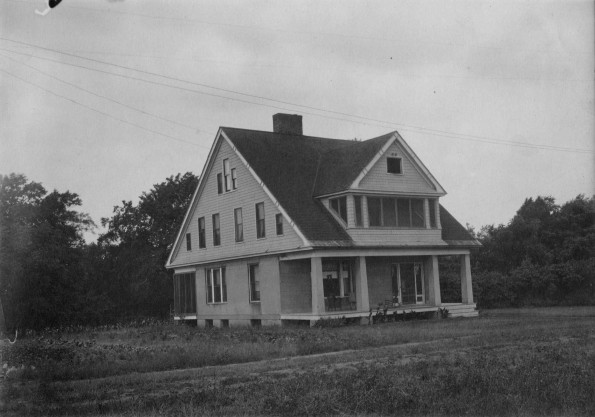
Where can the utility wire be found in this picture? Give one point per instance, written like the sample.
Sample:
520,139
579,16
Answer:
99,111
375,122
104,97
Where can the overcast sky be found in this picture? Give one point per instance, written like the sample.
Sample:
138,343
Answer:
495,97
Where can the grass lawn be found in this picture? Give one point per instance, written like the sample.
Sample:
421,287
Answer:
506,362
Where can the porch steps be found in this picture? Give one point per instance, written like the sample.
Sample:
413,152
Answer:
461,310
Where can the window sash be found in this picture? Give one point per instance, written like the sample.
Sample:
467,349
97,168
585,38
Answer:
227,175
239,224
219,183
216,286
202,241
216,230
260,225
254,283
279,224
188,242
234,179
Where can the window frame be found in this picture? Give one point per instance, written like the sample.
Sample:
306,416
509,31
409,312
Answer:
390,160
279,224
253,284
202,233
211,288
234,179
238,226
226,175
339,206
216,229
260,231
403,207
219,183
188,242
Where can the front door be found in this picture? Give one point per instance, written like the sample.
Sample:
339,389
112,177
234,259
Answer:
408,282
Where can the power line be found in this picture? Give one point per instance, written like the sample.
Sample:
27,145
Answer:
104,97
99,111
417,129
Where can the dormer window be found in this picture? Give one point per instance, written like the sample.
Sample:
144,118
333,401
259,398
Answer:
339,206
394,165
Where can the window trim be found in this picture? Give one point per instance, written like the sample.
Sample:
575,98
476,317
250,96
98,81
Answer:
258,220
226,175
202,233
252,274
279,224
188,242
238,226
210,286
400,165
216,230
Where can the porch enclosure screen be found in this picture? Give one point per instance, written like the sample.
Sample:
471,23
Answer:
339,289
408,283
184,294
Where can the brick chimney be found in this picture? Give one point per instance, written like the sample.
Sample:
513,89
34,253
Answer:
288,124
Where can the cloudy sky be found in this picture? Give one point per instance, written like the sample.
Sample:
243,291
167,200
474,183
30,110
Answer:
106,98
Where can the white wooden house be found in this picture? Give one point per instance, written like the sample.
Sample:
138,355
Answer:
284,226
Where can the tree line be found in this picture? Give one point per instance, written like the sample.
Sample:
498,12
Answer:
49,276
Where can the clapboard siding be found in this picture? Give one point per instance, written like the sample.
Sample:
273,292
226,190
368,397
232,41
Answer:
296,286
411,181
385,237
238,291
248,193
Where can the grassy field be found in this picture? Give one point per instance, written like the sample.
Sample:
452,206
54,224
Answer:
506,362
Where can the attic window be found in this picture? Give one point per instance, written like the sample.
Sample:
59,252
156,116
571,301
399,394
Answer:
339,206
394,166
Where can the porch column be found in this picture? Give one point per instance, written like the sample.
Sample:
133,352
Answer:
466,287
437,211
317,286
434,297
361,284
365,219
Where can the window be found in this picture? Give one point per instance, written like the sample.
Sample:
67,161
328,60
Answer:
184,294
227,174
279,223
396,212
337,278
234,179
216,286
374,211
254,283
260,226
202,238
237,214
219,183
216,230
358,210
404,212
339,205
188,241
418,218
389,215
394,166
432,213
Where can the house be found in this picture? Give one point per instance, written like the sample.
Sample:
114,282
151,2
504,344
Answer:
286,227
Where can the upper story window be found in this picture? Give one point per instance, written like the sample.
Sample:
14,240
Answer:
228,179
188,241
394,165
202,238
260,225
433,213
339,206
227,175
358,210
216,230
396,212
216,285
279,223
239,224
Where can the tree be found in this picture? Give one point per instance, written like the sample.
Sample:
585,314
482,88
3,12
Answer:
139,239
40,251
